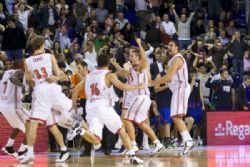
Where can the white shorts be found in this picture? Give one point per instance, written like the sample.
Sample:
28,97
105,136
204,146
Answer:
99,116
44,98
179,102
138,109
53,118
16,119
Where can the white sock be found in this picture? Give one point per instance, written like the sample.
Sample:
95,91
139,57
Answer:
10,142
64,148
186,136
131,152
22,147
30,149
156,141
133,143
145,137
83,132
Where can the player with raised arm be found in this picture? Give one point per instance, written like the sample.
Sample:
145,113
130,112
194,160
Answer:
137,102
99,108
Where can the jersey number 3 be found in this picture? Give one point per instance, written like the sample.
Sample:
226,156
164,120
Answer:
39,75
94,89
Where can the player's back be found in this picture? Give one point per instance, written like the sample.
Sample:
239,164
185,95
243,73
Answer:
10,94
96,88
40,66
180,78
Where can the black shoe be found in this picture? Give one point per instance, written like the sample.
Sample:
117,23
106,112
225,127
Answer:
22,154
107,152
168,143
85,154
65,155
122,149
9,151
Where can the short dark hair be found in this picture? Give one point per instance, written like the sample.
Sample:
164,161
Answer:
201,65
11,19
82,63
176,42
103,60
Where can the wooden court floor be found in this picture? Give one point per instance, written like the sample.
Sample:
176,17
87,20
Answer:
212,156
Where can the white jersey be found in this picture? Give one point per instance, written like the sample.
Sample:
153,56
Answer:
96,88
180,78
40,66
136,78
10,94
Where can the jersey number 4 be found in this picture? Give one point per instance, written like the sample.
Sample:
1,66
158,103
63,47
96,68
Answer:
94,89
39,75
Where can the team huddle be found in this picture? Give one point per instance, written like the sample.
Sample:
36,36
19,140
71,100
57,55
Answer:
50,106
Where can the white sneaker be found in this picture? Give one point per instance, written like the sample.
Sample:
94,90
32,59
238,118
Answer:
97,146
189,145
158,147
21,154
65,155
135,160
200,141
28,159
135,148
72,133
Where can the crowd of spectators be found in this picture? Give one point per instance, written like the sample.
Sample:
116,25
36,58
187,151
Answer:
216,48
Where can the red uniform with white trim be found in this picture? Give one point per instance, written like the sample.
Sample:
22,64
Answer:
99,106
11,102
180,88
45,96
137,101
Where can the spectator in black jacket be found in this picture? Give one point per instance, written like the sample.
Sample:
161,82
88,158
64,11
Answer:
241,95
14,42
223,92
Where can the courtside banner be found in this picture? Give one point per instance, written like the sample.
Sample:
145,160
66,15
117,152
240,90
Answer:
228,128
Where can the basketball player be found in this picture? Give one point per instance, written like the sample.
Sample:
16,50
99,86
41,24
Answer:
11,108
177,79
137,102
43,71
99,108
12,87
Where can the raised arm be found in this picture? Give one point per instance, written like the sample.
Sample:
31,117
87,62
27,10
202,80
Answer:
177,19
120,71
143,61
112,79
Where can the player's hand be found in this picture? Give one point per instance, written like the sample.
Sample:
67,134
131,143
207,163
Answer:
52,79
138,41
113,61
203,107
